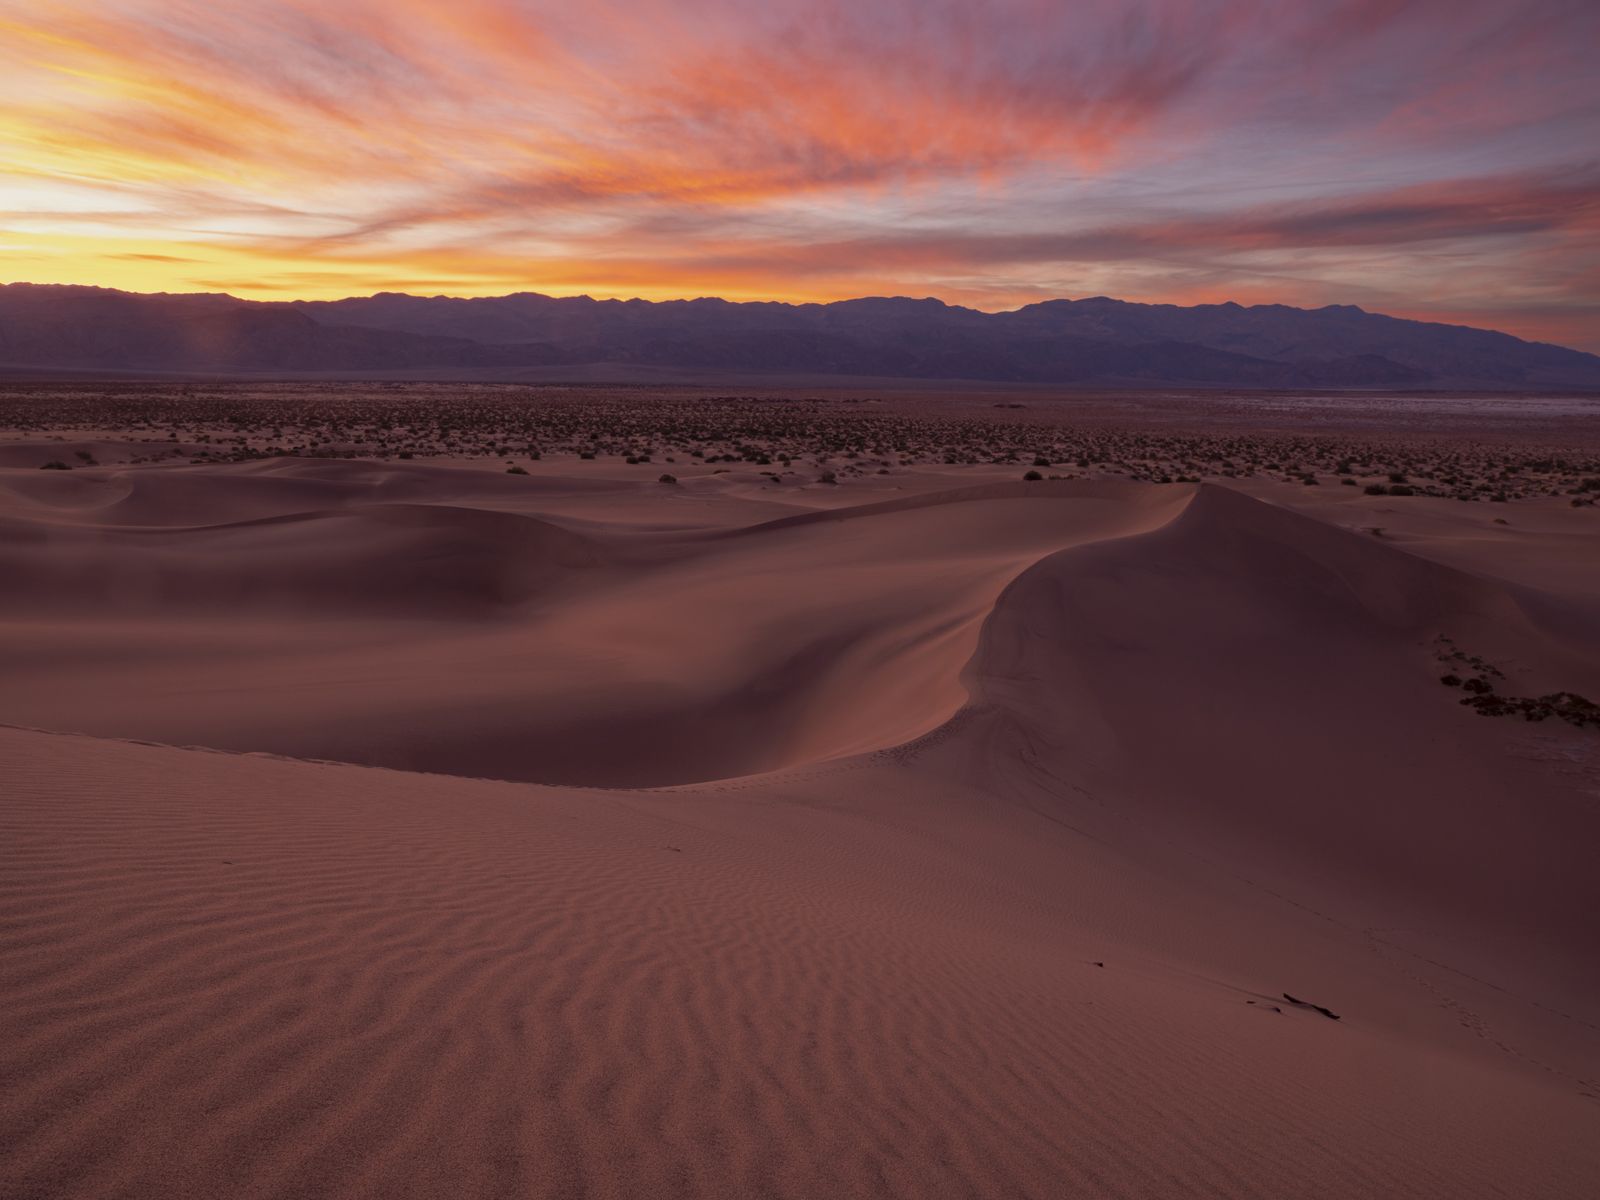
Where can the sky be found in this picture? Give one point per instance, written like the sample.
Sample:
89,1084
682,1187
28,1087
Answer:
1437,159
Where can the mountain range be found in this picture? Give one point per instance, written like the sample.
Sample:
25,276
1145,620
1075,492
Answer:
64,330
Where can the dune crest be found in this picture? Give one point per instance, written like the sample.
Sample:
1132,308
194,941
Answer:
504,644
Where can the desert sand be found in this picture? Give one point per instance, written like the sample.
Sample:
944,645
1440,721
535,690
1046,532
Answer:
857,822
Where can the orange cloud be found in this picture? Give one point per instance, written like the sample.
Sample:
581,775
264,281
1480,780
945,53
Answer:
800,148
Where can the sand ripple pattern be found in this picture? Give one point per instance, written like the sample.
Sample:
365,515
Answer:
231,975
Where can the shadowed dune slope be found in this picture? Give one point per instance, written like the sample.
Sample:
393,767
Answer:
1257,682
184,495
397,559
500,644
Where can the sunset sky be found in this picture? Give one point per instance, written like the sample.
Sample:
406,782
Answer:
1431,158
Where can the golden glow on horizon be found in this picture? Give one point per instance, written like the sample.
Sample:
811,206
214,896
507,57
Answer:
805,150
154,265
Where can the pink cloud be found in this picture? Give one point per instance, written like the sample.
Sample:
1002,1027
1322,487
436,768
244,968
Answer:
813,145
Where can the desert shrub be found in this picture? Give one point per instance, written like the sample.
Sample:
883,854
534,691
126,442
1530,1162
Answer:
1031,476
515,471
1041,461
666,478
827,477
55,464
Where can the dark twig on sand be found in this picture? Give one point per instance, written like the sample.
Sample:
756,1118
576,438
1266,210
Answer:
1327,1012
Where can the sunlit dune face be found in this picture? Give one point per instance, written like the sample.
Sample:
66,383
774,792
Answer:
1425,156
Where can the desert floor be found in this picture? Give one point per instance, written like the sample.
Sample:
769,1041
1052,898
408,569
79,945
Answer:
404,794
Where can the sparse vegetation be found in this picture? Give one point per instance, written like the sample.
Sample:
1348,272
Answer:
849,436
1484,698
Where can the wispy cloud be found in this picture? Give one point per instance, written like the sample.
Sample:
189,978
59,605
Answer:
810,148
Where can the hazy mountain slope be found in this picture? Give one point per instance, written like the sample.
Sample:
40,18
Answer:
1094,341
1284,334
95,327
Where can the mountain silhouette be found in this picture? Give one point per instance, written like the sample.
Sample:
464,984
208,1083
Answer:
52,329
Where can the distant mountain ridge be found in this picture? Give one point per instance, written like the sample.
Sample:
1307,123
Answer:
1096,341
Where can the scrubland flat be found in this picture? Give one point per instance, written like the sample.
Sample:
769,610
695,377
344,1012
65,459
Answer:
480,792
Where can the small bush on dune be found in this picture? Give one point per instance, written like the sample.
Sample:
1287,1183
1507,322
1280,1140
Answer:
515,471
666,478
55,464
1031,477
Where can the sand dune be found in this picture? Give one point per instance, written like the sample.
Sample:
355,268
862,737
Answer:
510,647
1263,684
422,560
954,842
